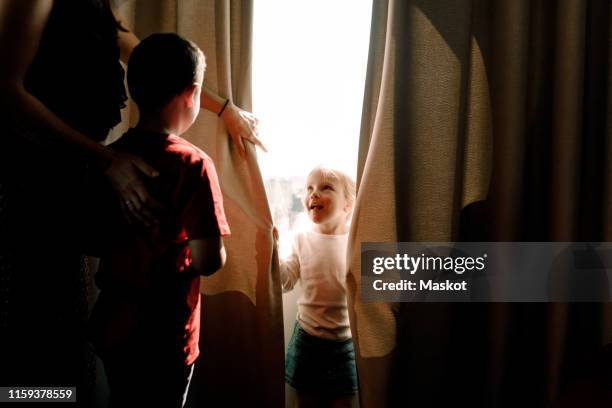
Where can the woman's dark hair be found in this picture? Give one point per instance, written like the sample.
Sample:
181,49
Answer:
161,67
106,7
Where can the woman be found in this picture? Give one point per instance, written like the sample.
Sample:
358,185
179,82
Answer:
61,91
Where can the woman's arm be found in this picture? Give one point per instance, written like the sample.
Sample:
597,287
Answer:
21,27
127,41
240,124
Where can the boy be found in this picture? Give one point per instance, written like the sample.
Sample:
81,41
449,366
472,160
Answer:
145,325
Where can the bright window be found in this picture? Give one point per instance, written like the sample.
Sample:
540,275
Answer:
309,68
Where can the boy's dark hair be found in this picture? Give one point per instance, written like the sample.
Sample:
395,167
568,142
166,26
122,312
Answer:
161,67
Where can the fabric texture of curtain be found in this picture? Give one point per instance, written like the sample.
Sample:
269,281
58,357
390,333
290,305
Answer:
242,328
484,121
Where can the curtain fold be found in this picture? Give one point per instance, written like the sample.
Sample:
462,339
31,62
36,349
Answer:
484,121
242,328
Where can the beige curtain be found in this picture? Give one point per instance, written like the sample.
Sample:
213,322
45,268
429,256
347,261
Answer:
241,360
484,120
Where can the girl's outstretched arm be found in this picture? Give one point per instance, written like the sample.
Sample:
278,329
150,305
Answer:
240,124
21,28
290,267
290,272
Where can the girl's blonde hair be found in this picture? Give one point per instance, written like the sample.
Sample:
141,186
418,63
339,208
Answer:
344,180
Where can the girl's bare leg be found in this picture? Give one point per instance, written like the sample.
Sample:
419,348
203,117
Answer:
346,401
303,400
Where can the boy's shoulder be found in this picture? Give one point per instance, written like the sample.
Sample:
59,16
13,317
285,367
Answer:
187,151
145,144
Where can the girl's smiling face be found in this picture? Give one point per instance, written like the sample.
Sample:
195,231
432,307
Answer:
326,203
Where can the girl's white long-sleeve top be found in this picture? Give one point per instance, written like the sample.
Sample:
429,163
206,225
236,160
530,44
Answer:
318,262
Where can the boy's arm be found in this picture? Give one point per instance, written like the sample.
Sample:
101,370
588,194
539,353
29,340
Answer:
202,216
207,255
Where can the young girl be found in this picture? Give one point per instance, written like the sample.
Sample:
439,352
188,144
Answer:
320,362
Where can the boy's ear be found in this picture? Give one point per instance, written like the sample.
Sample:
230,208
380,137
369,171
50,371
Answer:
189,95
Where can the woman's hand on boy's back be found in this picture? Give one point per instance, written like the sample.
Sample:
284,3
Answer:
124,172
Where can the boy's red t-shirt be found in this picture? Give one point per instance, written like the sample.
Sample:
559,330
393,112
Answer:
150,296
